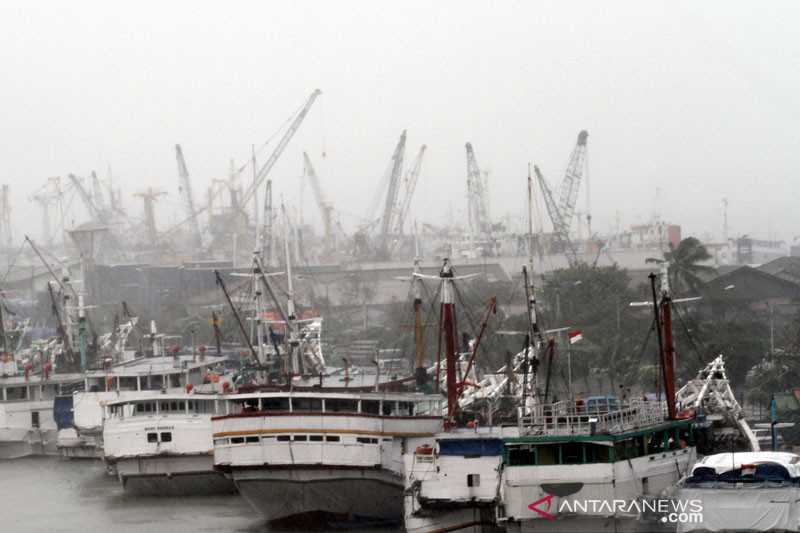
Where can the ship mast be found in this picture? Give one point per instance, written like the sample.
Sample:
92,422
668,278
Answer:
662,309
449,331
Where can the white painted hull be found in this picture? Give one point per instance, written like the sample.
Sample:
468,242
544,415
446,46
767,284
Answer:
171,475
72,446
466,520
578,524
344,492
646,476
22,442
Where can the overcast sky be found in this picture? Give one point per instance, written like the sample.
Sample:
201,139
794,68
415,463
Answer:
697,100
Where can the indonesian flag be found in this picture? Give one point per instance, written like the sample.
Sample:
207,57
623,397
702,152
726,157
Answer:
575,336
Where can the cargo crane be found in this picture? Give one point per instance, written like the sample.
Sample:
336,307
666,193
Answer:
96,214
562,212
97,192
325,208
276,153
390,210
409,183
477,200
188,198
150,196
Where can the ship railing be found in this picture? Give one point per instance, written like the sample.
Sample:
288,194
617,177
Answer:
575,418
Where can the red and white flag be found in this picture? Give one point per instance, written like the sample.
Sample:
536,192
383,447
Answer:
575,336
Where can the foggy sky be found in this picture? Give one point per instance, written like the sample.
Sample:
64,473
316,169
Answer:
695,99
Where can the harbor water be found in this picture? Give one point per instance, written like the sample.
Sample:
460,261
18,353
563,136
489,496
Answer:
47,494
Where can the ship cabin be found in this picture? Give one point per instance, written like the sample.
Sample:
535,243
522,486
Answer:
35,388
346,429
603,431
179,405
154,373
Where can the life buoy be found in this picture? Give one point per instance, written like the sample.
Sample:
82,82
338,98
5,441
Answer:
425,449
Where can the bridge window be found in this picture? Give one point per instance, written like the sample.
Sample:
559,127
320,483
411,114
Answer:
284,438
300,438
275,404
336,405
371,407
237,440
306,404
315,438
166,436
220,442
406,408
17,393
251,439
152,437
332,438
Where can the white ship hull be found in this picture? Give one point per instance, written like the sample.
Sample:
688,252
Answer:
22,442
19,436
172,475
350,493
467,520
72,446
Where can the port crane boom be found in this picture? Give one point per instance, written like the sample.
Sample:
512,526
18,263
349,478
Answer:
410,184
276,153
325,208
188,198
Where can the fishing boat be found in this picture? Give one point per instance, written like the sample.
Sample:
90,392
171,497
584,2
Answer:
27,422
292,454
161,444
141,377
31,376
564,464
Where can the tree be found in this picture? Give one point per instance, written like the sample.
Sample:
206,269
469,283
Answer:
685,268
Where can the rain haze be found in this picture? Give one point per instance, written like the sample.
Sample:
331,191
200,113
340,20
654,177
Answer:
693,100
486,267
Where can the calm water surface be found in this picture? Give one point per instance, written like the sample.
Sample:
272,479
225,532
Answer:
40,494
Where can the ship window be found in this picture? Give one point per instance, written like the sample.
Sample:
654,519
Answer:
332,438
152,437
315,438
155,382
127,383
522,455
275,404
388,408
175,380
166,437
17,393
300,438
35,419
237,440
149,407
284,438
251,439
473,480
336,405
220,442
406,409
181,406
140,408
370,406
306,404
366,440
572,453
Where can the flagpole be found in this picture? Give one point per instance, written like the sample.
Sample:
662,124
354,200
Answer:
569,368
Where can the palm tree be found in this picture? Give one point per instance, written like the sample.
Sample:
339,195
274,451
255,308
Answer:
685,269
